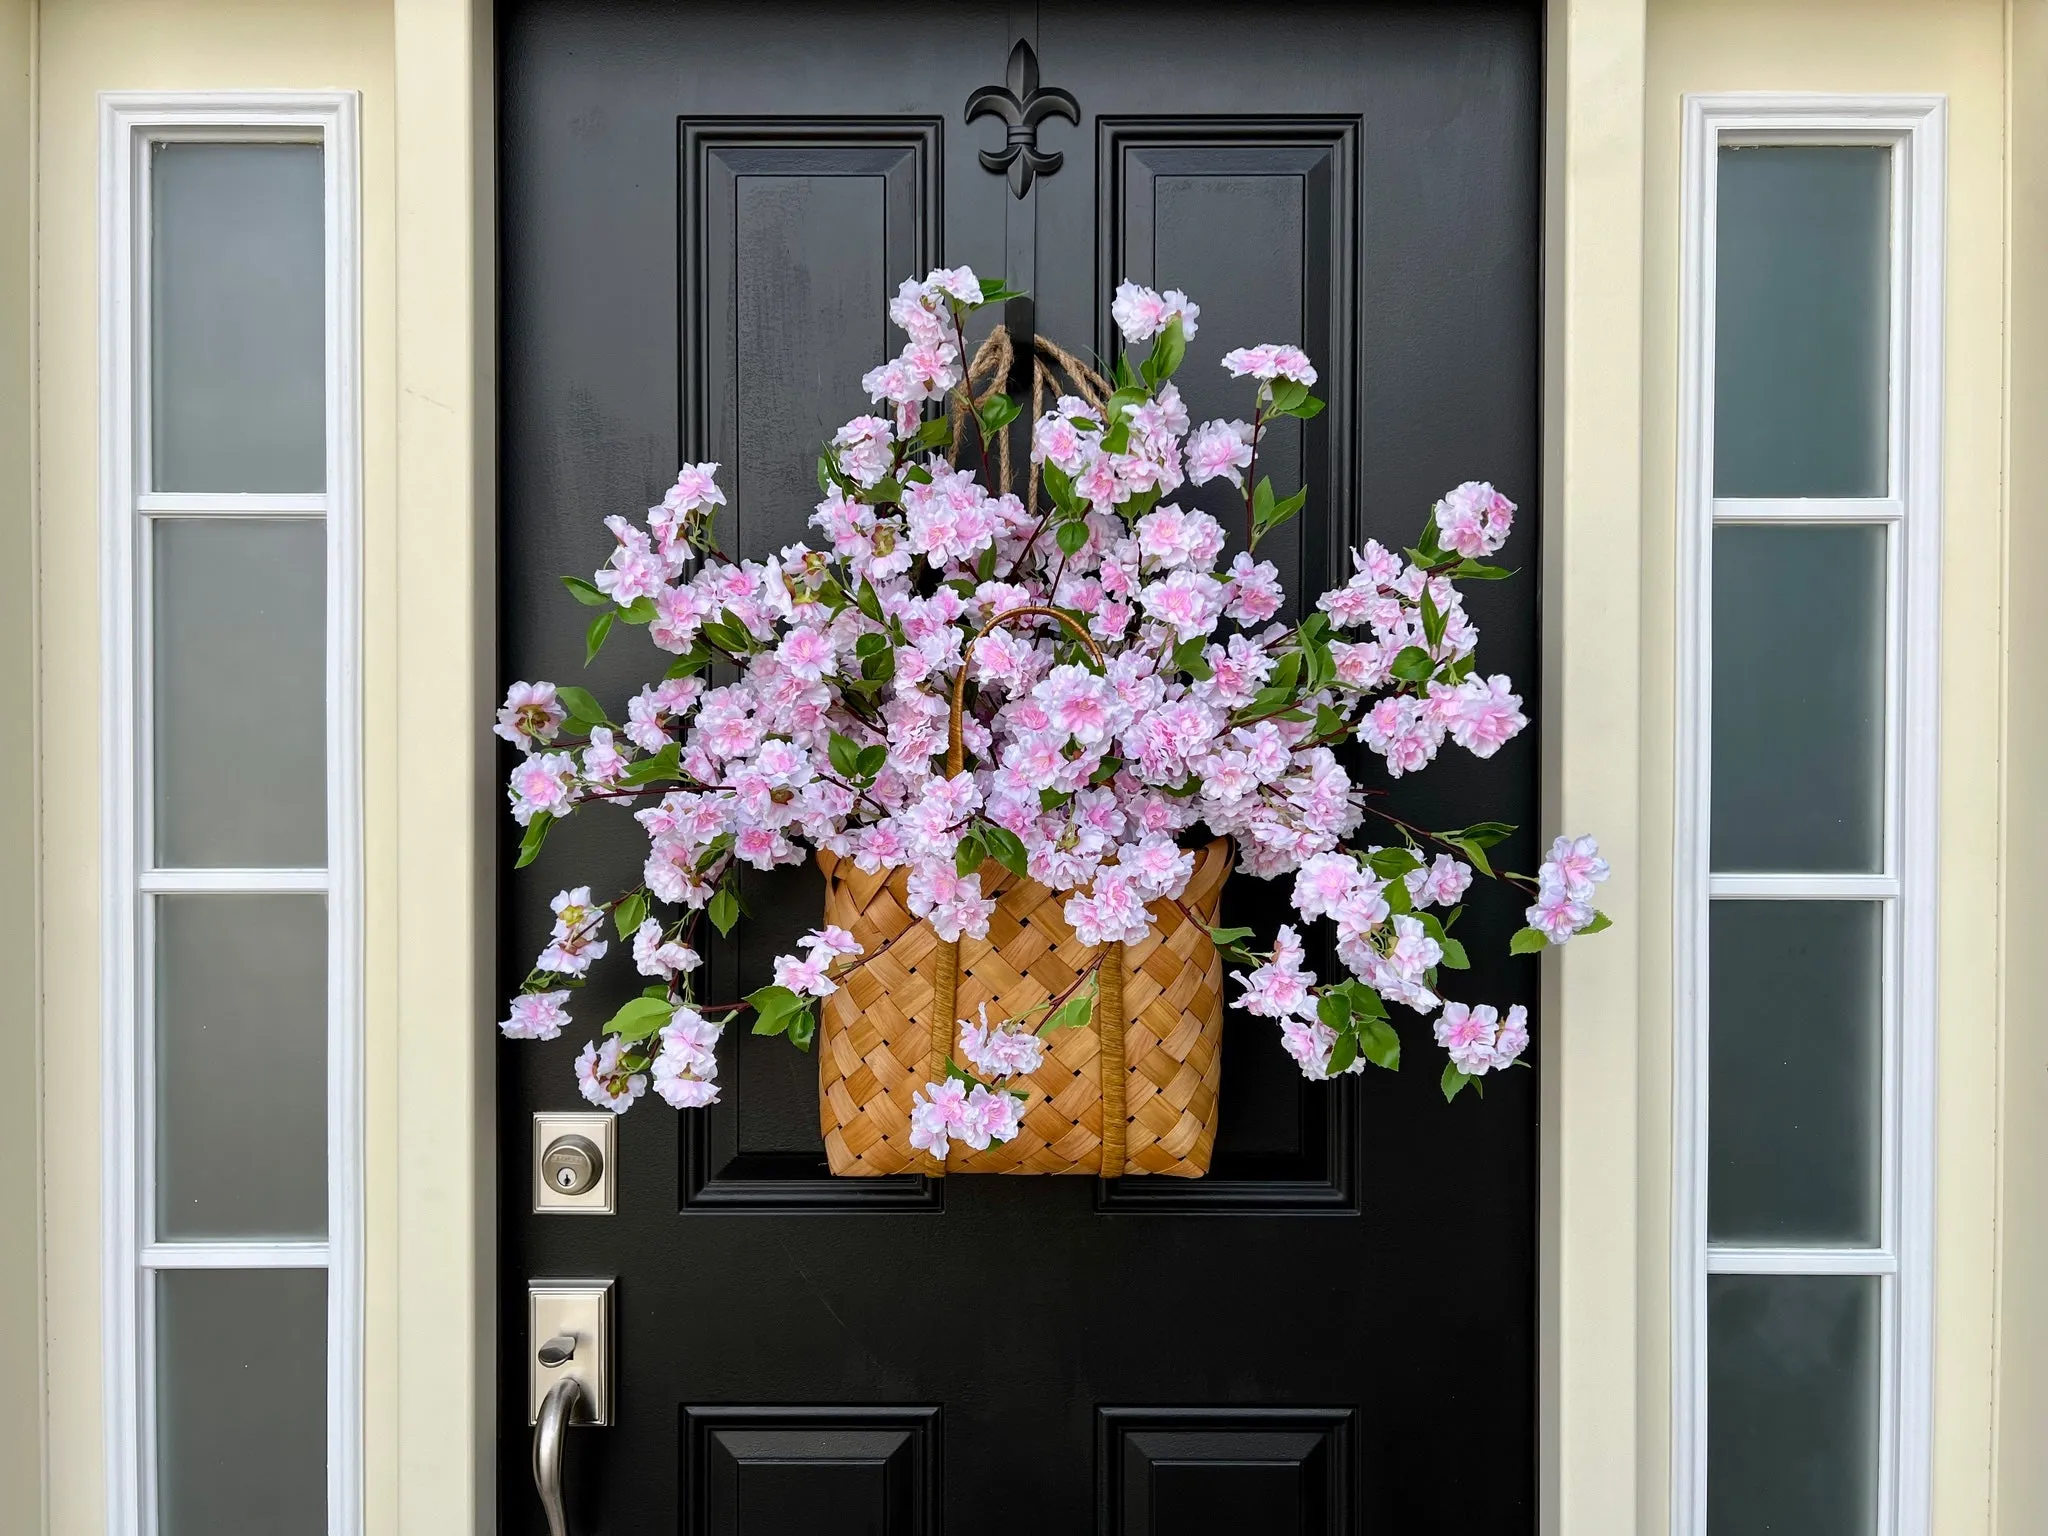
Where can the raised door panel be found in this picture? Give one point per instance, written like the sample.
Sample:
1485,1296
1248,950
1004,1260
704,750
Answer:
797,1471
1257,218
794,234
1225,1472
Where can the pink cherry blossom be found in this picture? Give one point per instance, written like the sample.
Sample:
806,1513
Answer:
1575,864
1270,361
1141,314
536,1016
1474,519
531,715
1000,1050
1219,450
1556,914
602,1080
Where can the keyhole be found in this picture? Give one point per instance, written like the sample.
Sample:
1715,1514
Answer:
566,1177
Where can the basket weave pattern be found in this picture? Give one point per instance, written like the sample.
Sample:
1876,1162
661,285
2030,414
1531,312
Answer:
876,1037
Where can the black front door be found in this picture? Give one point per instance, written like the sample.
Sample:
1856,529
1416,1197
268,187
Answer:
703,211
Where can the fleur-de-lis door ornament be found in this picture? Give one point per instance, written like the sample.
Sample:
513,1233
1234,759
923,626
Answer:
1023,104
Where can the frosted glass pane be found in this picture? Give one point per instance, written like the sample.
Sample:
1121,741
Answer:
1802,309
1798,726
1792,1364
240,705
241,1066
1794,1053
242,1402
237,338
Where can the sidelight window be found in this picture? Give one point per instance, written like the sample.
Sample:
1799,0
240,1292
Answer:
231,1039
1810,540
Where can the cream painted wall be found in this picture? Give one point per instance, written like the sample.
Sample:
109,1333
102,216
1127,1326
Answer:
1956,47
21,1225
2020,1490
87,46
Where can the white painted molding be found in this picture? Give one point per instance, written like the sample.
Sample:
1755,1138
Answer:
129,123
1915,128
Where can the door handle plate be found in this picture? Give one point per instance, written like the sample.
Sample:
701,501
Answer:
579,1310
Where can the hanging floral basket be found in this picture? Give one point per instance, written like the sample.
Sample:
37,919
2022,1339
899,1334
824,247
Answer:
1028,717
1133,1091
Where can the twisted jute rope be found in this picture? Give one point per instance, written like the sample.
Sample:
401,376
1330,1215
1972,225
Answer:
992,363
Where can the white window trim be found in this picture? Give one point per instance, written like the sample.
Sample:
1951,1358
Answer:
129,123
1915,127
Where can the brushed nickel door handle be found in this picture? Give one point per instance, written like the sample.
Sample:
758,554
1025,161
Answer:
555,1412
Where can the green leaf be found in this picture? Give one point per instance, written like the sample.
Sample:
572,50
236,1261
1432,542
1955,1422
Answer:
869,602
1413,665
968,856
583,709
1265,522
845,754
640,1017
1528,941
771,1023
1222,936
1454,1082
724,910
996,289
878,667
536,834
1379,1042
1399,902
803,1028
1050,799
595,636
1476,852
773,1003
1432,620
1601,922
1287,394
936,433
1343,1053
1074,1013
1392,863
1005,848
629,914
1472,570
1309,409
1167,353
1187,656
1059,487
1485,833
665,764
1071,536
640,611
870,762
1334,1009
997,412
586,592
1454,954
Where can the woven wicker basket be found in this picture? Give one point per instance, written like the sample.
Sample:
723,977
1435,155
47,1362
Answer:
1159,1011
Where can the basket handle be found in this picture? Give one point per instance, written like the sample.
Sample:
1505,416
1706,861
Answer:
955,753
1109,997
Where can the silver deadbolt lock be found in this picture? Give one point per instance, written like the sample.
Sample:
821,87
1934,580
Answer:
574,1158
572,1164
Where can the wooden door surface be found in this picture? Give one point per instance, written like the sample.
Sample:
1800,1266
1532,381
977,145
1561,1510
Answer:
703,210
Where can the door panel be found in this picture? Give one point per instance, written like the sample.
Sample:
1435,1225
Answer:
703,212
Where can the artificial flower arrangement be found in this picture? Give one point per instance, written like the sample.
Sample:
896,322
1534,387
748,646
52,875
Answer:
1068,689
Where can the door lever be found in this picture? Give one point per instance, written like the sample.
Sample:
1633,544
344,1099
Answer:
555,1414
558,1351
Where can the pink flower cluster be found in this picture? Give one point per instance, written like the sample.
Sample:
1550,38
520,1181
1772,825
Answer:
1130,693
